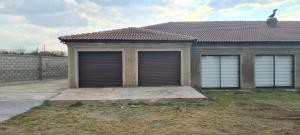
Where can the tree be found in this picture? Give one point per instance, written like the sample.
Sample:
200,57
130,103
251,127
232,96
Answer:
48,53
21,51
3,51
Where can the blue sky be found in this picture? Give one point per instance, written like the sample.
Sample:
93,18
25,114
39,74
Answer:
29,24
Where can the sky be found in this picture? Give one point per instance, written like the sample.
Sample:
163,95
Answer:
31,24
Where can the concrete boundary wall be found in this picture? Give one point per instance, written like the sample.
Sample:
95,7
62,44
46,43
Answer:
29,67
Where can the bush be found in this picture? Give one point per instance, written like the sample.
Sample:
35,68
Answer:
22,52
4,51
76,104
48,53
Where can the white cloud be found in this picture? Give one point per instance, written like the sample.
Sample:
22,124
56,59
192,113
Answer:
23,25
32,30
24,7
182,2
248,8
63,19
1,6
258,5
88,5
72,2
292,13
180,10
18,33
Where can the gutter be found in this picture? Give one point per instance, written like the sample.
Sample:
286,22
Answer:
280,42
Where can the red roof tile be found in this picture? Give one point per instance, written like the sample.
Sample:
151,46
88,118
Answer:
233,30
202,31
128,34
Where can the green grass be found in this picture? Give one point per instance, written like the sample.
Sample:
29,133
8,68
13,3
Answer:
277,98
259,112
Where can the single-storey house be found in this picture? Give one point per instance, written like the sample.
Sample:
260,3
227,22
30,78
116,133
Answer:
220,54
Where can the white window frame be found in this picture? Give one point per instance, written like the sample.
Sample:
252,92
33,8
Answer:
274,71
220,83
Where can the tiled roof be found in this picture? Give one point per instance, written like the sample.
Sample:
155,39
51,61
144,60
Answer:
233,30
202,31
127,34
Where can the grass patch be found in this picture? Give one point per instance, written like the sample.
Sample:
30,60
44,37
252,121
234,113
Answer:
257,112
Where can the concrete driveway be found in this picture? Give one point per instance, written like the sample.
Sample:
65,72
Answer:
147,94
17,98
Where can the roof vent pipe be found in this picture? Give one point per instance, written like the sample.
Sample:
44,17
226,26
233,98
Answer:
272,21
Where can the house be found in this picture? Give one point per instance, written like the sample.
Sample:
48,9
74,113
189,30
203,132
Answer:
221,54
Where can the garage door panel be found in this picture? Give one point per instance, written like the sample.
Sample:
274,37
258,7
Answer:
165,80
219,71
102,63
96,76
105,67
100,69
161,68
158,68
283,70
166,77
273,71
229,71
229,84
264,76
210,72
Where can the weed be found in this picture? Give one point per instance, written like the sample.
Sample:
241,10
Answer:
76,104
47,103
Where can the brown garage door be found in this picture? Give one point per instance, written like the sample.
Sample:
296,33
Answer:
100,69
158,68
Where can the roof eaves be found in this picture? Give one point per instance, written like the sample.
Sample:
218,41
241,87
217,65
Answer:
247,41
169,36
126,41
250,42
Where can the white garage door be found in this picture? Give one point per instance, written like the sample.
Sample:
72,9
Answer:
220,71
283,71
274,71
229,71
264,71
210,71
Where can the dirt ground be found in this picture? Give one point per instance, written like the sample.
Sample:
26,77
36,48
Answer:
260,112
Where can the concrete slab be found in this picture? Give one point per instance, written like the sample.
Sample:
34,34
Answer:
12,108
26,96
34,86
17,98
138,93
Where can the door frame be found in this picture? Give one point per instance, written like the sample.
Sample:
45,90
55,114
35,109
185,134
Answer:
158,50
76,61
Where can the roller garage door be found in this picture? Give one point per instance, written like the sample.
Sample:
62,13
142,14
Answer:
158,68
274,71
100,69
220,71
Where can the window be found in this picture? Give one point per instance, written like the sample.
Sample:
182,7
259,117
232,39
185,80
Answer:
274,71
220,71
